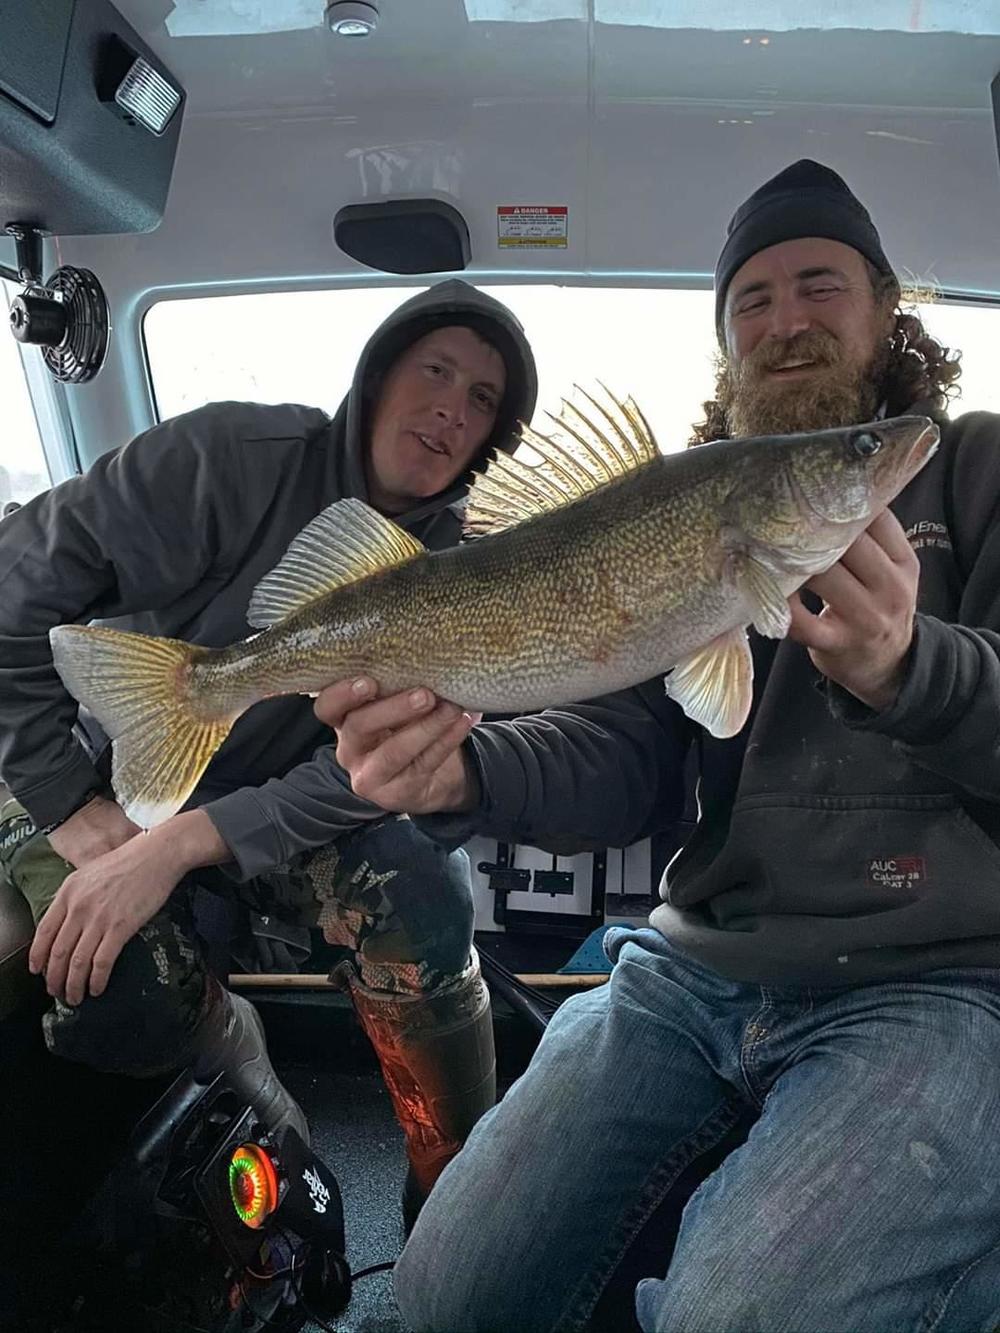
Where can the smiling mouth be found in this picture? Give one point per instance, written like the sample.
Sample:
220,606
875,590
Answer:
793,368
435,446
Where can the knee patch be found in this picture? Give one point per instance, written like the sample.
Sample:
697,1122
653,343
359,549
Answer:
144,1021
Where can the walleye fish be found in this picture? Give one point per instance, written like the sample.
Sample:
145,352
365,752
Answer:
599,565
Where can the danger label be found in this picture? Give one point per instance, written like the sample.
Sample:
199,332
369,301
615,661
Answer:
532,226
896,872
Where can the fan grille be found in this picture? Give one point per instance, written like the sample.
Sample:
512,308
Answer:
80,355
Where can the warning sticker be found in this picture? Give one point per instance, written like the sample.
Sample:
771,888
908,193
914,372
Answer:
532,226
897,872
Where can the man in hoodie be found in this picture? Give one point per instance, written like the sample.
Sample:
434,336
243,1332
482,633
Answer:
169,536
824,971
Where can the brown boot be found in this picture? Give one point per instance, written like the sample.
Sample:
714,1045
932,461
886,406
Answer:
439,1064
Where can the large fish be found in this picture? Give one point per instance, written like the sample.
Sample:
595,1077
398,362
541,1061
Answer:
601,564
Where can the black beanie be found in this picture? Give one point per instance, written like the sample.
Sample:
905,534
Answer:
806,199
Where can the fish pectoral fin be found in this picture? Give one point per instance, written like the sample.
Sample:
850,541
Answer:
348,541
592,444
714,686
768,603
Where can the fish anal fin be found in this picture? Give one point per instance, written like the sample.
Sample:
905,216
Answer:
348,541
714,685
591,444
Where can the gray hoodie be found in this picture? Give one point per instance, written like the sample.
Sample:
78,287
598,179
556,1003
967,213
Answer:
169,536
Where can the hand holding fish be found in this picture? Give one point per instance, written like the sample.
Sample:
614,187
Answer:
102,905
862,636
404,752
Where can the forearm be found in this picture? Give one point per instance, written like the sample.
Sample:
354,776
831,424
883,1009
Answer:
187,842
311,806
593,775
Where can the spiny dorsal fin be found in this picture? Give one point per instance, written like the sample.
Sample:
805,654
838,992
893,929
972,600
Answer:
346,542
592,444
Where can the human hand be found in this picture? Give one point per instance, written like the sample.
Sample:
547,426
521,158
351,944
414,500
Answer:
863,635
403,753
100,906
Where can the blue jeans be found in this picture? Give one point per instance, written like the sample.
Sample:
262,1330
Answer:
866,1197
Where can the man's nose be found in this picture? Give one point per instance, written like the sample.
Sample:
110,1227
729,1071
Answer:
789,315
450,407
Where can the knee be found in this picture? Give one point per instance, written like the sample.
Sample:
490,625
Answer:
424,895
144,1021
441,1285
731,1296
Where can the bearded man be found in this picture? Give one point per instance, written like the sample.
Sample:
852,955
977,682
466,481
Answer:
825,965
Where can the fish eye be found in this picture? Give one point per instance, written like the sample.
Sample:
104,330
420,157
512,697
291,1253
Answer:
866,443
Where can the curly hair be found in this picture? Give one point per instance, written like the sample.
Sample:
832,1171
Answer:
917,367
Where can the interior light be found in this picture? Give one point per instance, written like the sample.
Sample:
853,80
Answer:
351,18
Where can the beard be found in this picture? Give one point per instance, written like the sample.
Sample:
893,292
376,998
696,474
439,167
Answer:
839,391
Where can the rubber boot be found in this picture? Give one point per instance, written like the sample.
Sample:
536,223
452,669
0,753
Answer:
438,1060
230,1040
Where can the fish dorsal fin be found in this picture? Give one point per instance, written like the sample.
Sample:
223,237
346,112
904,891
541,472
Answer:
346,542
592,444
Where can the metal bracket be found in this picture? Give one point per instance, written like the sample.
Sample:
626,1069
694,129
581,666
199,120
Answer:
553,882
504,879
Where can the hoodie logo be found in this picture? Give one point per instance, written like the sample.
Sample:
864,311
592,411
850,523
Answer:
896,872
926,535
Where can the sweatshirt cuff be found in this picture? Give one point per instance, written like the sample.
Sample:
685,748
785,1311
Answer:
244,826
489,818
931,697
55,799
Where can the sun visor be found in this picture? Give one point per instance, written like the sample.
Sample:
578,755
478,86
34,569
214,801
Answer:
404,236
89,120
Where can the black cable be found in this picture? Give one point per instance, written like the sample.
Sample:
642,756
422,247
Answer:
540,998
294,1282
375,1268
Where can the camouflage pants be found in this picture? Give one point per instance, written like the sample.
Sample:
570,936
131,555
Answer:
396,905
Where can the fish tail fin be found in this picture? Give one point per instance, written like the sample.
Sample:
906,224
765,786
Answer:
138,688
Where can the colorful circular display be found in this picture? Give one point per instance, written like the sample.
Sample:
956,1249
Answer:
253,1184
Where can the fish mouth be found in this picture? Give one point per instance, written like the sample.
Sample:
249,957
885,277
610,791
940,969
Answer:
926,444
433,444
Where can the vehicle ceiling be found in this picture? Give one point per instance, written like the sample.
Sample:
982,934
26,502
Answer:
649,120
622,110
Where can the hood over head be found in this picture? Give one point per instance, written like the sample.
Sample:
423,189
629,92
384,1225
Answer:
452,302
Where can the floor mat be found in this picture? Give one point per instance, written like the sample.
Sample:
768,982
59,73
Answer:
355,1133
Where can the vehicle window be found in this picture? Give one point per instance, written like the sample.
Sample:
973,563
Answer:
656,343
23,469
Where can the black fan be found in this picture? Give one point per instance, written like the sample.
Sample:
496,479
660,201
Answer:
67,316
